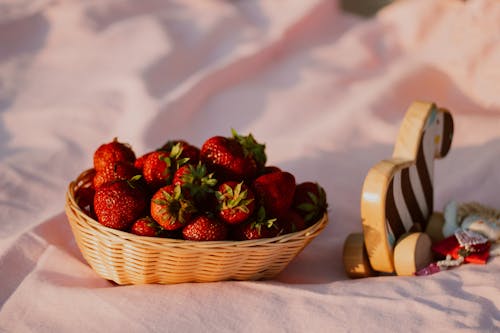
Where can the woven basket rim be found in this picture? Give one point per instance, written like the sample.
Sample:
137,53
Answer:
169,242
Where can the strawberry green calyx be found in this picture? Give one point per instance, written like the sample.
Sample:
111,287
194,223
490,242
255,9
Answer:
174,155
174,209
236,202
197,184
251,148
167,160
132,182
262,221
184,151
197,178
315,205
153,225
234,198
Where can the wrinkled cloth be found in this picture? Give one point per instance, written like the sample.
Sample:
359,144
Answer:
326,91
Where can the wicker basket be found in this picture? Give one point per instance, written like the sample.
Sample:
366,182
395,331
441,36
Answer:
129,259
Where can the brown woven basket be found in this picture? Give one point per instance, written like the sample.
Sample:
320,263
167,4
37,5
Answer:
129,259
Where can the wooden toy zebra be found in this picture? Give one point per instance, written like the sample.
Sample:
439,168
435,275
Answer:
399,223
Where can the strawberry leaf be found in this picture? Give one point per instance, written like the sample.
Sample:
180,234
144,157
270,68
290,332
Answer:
176,151
307,207
160,202
313,198
310,217
251,148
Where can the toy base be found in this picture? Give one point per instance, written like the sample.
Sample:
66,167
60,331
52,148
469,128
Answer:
412,253
356,262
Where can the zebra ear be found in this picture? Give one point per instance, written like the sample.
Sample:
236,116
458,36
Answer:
447,133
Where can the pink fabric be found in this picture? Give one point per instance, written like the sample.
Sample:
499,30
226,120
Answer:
326,91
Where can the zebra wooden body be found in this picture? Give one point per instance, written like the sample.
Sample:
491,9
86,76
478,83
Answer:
398,193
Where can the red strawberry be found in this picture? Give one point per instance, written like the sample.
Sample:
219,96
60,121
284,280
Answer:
310,201
233,158
197,185
115,171
270,169
204,228
84,197
189,152
236,202
112,152
170,209
259,226
139,162
146,226
275,191
292,222
157,169
160,166
181,174
118,204
225,157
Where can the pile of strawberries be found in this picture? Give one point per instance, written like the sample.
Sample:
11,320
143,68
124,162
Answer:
221,191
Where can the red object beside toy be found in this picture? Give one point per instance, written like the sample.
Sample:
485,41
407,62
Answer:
476,254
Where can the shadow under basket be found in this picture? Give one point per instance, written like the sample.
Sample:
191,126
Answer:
126,258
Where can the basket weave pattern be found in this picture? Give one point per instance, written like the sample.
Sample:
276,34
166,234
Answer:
126,258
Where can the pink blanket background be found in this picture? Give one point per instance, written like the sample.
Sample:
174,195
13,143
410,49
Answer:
325,90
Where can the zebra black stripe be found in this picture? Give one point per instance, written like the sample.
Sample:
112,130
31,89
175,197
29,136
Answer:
409,197
425,181
447,134
413,213
391,213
